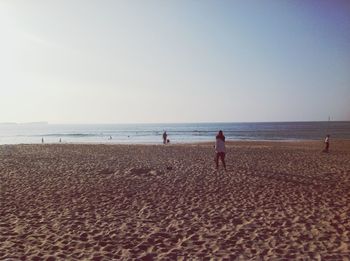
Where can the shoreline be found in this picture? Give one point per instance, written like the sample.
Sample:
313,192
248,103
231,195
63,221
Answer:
228,142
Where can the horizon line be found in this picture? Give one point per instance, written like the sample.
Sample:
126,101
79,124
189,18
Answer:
150,123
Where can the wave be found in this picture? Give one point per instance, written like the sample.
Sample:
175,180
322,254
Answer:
68,135
178,132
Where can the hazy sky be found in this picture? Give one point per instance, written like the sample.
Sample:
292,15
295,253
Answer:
174,61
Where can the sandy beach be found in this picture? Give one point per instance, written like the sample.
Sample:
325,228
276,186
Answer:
276,201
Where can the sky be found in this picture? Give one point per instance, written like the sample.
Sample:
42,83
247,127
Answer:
149,61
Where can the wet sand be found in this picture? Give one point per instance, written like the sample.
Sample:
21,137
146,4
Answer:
277,201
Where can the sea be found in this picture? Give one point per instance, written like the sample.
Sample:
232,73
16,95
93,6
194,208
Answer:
177,132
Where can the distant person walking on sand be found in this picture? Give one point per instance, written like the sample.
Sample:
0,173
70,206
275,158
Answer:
220,149
42,140
165,137
326,141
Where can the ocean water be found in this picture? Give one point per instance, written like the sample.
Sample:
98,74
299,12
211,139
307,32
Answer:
177,133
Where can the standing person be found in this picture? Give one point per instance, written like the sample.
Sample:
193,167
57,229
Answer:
220,149
326,141
165,137
42,140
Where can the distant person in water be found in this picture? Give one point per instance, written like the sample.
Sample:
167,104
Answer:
220,149
42,140
165,137
326,142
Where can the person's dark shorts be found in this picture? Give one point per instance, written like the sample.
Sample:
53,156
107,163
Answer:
220,155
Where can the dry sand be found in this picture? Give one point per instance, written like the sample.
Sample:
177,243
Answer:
277,201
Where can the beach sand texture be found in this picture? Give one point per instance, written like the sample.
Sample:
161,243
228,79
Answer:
277,201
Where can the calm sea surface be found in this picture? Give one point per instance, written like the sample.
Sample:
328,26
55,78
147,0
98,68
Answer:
177,133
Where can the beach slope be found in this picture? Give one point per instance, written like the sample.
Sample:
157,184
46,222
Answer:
278,200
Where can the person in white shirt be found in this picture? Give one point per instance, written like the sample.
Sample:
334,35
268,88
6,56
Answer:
220,149
326,141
